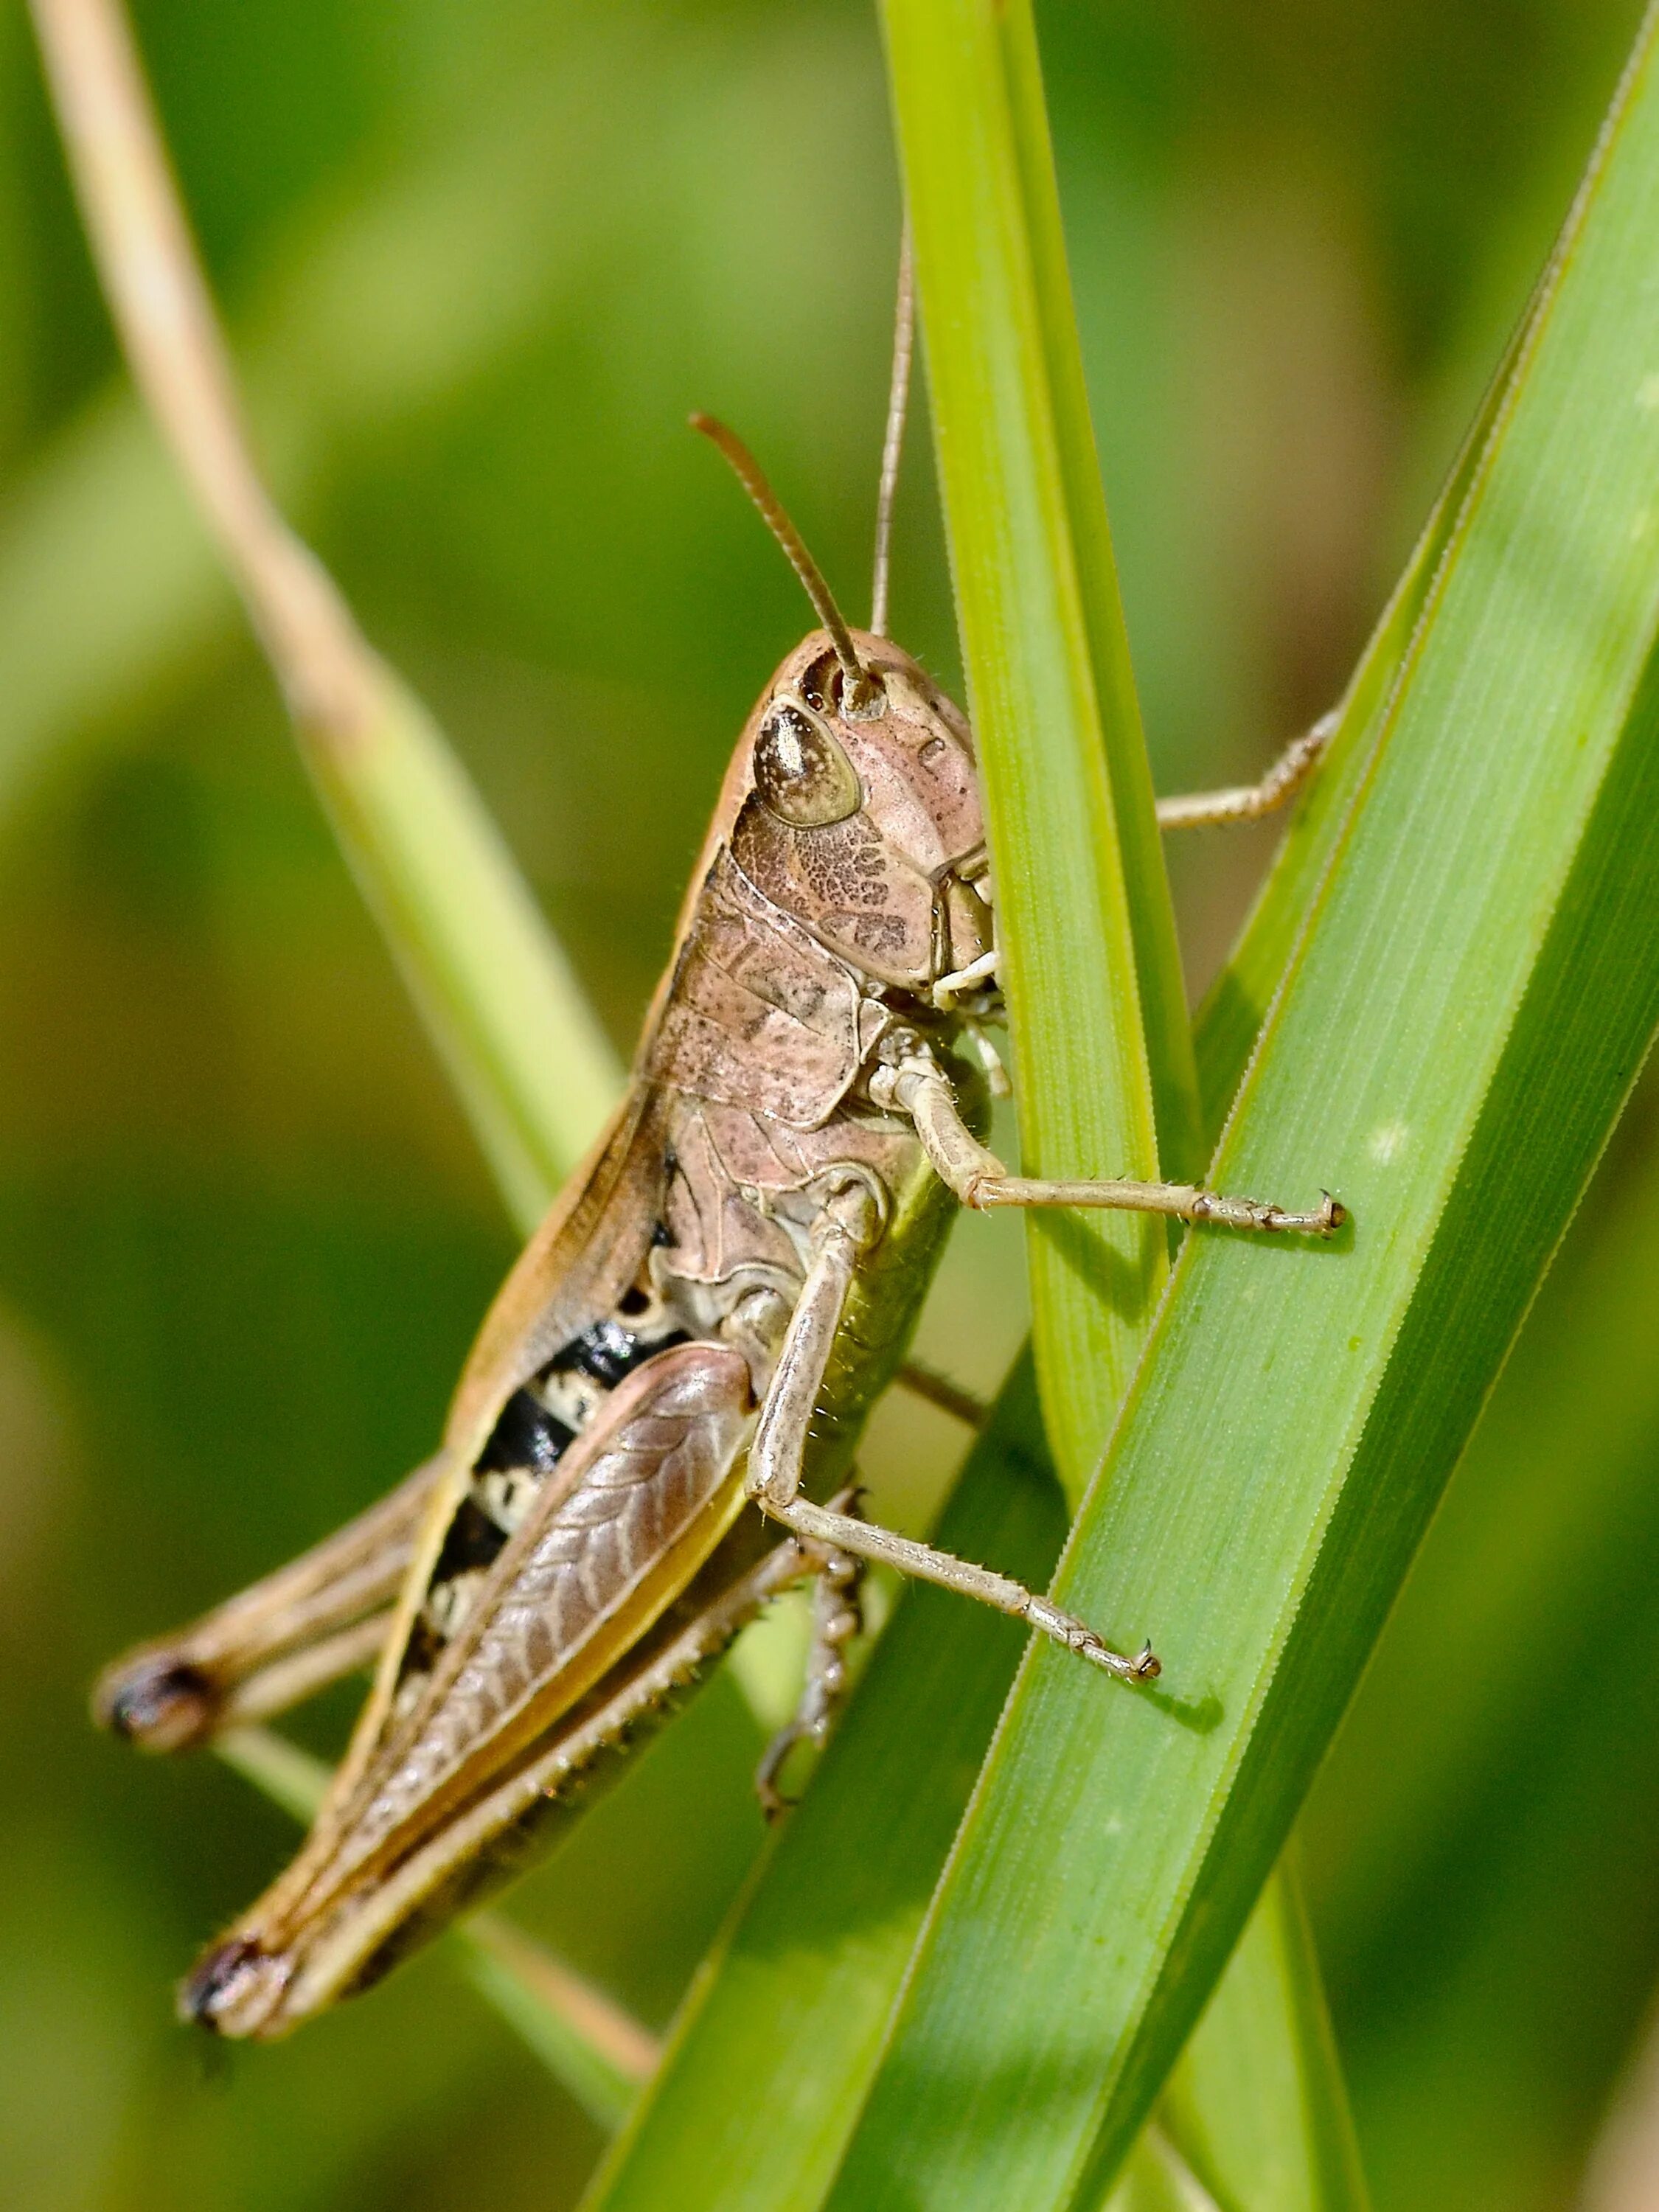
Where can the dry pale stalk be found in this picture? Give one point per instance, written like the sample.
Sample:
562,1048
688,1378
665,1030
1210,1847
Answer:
147,263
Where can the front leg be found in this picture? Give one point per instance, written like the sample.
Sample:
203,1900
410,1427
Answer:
918,1087
774,1476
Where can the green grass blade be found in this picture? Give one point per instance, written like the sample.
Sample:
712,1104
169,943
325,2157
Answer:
1167,1030
1047,676
1456,1035
1505,1845
1014,436
1256,2105
1542,1514
517,1036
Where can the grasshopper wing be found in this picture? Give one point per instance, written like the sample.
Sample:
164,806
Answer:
641,1500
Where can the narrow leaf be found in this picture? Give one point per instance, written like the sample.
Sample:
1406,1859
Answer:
1048,685
1255,2104
502,1005
1457,1032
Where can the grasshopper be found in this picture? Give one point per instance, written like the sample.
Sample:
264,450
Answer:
700,1327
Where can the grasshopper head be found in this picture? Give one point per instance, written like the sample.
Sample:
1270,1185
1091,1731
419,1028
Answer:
857,807
861,816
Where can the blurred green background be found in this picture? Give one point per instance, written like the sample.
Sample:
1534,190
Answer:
477,263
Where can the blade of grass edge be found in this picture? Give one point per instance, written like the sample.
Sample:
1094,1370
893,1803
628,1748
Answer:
1052,699
977,139
1458,1031
1170,1066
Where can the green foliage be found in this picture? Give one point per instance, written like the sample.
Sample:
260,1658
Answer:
1474,994
518,1040
474,292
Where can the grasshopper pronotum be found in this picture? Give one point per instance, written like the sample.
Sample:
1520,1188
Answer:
701,1323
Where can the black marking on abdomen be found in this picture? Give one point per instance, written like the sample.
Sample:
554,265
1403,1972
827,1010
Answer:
526,1436
610,1352
472,1540
529,1439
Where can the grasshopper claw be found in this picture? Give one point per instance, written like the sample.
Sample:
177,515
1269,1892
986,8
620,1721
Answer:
1145,1667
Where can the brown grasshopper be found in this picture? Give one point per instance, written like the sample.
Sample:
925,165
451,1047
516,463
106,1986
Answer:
701,1323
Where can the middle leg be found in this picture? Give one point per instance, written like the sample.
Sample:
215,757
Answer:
773,1478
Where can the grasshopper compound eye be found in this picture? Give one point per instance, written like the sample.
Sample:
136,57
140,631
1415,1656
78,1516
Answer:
801,773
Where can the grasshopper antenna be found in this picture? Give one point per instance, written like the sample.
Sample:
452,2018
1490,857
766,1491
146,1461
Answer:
898,401
863,693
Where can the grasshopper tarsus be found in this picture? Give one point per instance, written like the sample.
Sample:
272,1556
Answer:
1255,1213
1076,1636
837,1618
1145,1667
